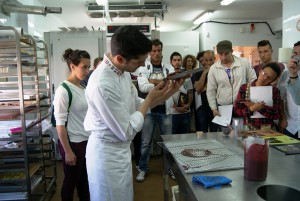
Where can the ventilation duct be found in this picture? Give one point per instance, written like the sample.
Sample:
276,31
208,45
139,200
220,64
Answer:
125,14
135,10
139,14
113,14
38,10
97,15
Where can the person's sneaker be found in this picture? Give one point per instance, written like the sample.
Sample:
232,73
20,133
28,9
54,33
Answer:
171,174
141,176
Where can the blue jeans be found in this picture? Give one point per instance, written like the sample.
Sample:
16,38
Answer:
181,123
165,126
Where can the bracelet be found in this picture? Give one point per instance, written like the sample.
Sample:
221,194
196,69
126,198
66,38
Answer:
294,77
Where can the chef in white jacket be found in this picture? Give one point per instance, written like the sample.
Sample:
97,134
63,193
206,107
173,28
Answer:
116,113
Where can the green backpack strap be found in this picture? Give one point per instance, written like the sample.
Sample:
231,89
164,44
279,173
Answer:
69,94
70,101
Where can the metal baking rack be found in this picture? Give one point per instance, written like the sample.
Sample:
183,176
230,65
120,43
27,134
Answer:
204,155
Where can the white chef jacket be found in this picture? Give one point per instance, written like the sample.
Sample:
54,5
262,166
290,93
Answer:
113,120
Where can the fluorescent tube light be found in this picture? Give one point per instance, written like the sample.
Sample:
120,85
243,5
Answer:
203,17
100,2
226,2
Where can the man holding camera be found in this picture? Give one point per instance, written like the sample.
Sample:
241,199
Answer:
289,86
293,66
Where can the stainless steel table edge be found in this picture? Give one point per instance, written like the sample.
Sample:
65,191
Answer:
282,170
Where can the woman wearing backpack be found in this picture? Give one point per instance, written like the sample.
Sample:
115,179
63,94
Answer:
69,125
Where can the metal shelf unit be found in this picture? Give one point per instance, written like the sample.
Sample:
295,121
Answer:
27,163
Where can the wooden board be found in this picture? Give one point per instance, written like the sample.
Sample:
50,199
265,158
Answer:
261,133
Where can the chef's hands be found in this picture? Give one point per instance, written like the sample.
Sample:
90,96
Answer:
155,82
163,91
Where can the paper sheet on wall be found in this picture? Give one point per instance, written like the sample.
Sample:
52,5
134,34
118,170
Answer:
198,100
226,114
261,93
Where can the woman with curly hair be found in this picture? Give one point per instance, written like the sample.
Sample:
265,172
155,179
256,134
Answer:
189,62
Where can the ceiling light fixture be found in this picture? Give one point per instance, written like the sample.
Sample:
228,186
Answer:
204,17
226,2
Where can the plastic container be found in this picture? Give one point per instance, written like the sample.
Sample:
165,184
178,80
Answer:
256,157
237,125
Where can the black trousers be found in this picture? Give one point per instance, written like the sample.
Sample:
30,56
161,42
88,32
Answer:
75,176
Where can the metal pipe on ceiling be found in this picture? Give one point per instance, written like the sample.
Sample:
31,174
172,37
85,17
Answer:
38,10
107,15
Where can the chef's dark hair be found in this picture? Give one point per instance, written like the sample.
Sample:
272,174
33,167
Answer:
129,42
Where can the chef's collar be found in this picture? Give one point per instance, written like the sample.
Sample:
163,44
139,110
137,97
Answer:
110,65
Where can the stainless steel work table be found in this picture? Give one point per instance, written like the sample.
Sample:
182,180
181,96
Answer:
282,170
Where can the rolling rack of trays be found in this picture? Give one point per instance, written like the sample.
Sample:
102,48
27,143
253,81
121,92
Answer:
27,164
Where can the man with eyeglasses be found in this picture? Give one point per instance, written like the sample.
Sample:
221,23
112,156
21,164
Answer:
293,85
289,85
226,76
265,52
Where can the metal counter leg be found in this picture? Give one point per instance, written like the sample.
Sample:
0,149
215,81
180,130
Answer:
166,176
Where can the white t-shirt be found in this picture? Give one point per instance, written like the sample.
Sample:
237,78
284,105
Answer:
76,114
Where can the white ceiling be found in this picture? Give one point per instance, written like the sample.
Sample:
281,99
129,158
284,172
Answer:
179,17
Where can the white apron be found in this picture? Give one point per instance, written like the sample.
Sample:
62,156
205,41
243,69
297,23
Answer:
109,169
